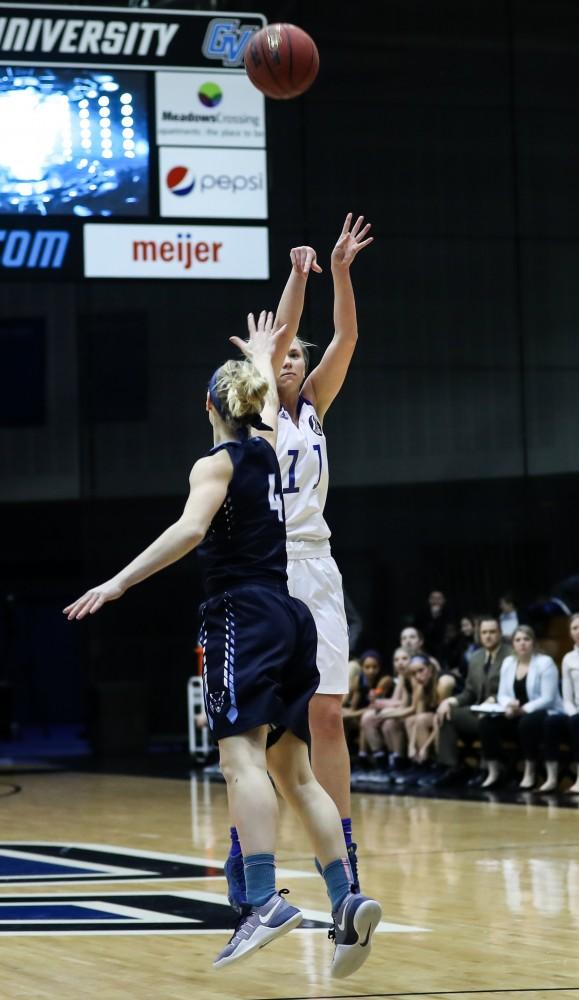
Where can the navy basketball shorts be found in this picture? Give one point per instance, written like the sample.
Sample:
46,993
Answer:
259,661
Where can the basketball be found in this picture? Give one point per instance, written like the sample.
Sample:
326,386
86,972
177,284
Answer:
282,61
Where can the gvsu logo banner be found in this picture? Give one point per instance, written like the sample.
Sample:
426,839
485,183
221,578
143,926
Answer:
213,183
226,39
181,250
36,35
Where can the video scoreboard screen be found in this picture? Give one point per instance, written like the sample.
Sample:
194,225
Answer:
132,145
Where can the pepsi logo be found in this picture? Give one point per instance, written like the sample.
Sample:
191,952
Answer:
180,181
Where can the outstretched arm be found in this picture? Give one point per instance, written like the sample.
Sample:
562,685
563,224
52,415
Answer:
259,349
208,483
326,380
291,304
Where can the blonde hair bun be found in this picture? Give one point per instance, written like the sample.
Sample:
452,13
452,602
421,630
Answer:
242,389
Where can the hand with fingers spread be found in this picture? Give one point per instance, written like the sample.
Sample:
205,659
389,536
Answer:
303,260
263,338
94,599
352,239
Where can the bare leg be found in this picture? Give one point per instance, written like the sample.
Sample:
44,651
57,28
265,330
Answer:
330,757
410,727
370,725
290,768
252,800
394,735
355,916
423,724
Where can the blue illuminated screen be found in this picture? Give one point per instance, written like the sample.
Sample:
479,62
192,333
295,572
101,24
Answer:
73,142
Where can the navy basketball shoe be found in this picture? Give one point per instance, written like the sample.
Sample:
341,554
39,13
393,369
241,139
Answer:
355,921
257,926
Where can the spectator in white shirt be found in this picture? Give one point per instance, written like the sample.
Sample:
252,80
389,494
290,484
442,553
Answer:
528,693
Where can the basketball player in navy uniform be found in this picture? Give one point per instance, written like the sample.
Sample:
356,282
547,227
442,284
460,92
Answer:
312,573
259,669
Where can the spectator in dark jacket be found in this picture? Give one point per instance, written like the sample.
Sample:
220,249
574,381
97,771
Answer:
455,718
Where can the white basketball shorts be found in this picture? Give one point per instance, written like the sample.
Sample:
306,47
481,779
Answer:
318,583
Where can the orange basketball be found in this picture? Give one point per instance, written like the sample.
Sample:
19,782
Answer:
282,61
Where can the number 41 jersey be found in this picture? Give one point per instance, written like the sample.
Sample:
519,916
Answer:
246,542
303,462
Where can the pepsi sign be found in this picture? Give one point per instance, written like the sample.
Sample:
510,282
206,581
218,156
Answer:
213,183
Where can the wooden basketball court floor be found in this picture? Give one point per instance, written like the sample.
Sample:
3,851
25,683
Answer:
111,887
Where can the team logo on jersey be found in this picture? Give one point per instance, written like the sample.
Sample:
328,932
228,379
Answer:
316,425
283,414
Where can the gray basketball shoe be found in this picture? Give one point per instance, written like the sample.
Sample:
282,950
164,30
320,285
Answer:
355,921
257,926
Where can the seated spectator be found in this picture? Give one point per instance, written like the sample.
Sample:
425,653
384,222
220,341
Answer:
374,744
528,690
412,640
455,718
508,616
421,724
366,683
563,727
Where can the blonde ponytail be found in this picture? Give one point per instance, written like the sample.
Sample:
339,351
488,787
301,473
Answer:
242,390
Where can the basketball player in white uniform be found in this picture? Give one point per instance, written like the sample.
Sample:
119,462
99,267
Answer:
301,450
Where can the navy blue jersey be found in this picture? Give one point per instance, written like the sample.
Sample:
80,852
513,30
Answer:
246,542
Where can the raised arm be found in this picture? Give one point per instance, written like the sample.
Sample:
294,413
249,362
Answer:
208,483
324,383
263,341
291,304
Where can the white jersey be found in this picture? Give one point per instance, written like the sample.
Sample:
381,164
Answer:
303,461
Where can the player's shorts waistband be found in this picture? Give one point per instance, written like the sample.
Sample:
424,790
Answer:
305,549
269,584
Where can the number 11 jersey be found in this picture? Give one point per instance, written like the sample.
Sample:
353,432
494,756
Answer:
303,461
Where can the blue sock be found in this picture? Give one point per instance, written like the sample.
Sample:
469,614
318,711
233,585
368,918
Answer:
338,879
259,878
235,849
347,828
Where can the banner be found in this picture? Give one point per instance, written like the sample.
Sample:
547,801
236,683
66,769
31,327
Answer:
209,109
113,120
58,35
178,251
213,183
